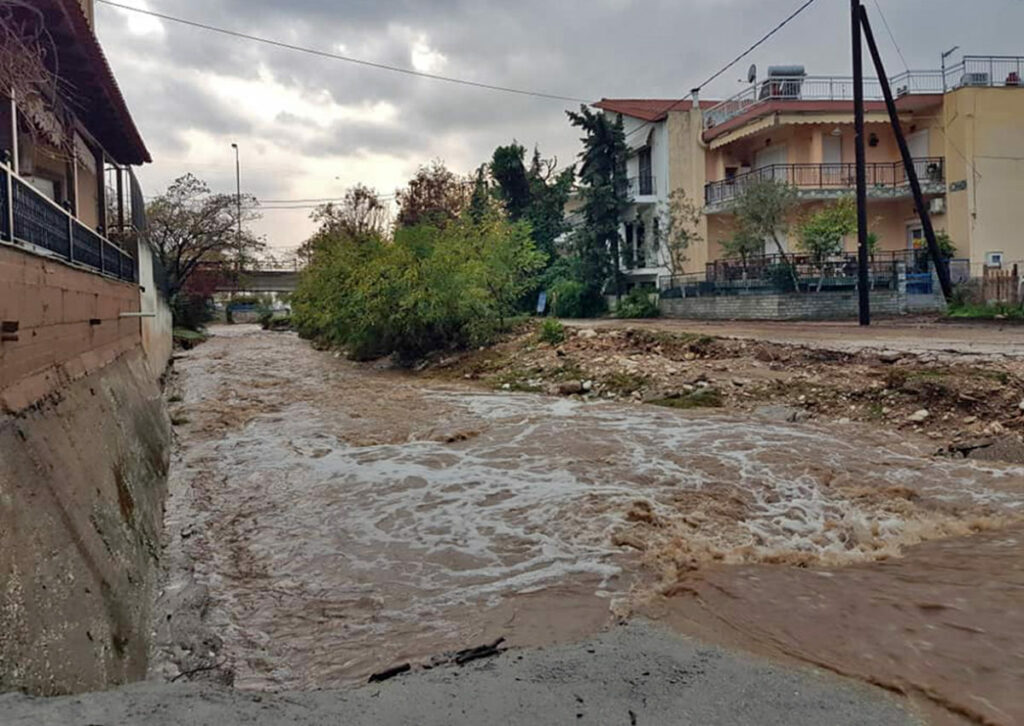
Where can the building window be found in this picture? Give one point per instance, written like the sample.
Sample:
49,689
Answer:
994,259
645,166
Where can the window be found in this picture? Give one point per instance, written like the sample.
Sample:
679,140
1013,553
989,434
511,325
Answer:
994,259
646,185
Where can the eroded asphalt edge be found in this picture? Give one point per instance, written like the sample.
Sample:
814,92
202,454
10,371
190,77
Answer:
638,673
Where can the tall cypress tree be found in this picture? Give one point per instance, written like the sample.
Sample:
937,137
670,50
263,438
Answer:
605,196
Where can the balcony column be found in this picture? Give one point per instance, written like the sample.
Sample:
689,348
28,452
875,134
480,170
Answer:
15,165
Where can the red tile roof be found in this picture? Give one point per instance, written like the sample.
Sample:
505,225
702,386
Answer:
648,109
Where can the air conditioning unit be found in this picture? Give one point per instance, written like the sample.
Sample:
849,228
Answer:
937,206
975,79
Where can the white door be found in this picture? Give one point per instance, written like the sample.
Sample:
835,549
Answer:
775,157
918,144
831,161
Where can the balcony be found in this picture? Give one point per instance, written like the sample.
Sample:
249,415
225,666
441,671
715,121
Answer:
643,189
1003,71
824,181
29,218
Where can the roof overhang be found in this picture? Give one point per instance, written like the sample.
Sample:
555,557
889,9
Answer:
784,119
97,101
814,112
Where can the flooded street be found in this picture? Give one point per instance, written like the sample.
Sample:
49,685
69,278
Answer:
341,519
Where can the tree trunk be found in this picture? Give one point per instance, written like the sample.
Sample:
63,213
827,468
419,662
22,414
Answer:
785,260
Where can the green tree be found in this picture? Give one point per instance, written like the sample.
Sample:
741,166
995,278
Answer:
681,232
743,245
821,235
605,198
764,210
512,184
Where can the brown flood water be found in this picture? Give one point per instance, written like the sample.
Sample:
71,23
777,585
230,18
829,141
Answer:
346,519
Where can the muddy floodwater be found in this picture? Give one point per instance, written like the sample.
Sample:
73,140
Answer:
344,519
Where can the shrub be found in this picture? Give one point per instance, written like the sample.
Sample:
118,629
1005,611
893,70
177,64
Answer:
551,331
637,304
191,310
427,290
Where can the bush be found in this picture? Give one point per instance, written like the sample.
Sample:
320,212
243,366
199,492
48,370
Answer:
573,299
428,289
551,331
191,310
637,304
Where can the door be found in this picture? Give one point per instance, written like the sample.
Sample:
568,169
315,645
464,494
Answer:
773,163
831,161
646,181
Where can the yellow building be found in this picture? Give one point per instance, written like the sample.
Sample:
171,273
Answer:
964,127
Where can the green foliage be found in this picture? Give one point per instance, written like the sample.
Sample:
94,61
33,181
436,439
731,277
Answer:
821,235
574,299
551,331
604,189
782,276
509,173
431,288
946,246
637,304
764,209
435,196
699,398
743,245
995,311
682,233
191,310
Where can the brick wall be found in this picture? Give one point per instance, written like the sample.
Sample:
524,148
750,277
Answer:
806,306
68,325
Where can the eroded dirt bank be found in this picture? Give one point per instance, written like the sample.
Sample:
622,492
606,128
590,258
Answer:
328,520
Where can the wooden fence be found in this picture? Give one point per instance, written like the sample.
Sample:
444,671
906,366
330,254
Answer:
1001,286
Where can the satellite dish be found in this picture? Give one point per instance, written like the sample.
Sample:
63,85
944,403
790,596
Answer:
752,73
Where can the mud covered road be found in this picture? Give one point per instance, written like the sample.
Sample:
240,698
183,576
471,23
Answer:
329,520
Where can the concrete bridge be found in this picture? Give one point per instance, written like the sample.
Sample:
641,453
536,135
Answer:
259,281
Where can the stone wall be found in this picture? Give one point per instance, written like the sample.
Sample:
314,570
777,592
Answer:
60,323
82,485
791,306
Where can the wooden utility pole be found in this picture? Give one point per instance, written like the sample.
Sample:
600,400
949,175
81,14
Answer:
941,269
863,283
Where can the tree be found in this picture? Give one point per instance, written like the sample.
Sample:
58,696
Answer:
821,235
682,231
360,216
512,184
604,193
189,225
434,196
764,209
743,245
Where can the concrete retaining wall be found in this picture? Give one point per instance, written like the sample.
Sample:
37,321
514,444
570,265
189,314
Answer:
67,324
791,306
157,331
82,485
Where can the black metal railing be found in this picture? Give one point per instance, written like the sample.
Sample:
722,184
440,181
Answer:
881,176
642,186
29,217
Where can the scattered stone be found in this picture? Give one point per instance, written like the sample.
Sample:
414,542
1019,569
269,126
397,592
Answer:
1021,405
788,414
919,416
506,386
889,356
738,382
570,388
1009,449
968,420
588,385
587,333
390,673
994,429
843,420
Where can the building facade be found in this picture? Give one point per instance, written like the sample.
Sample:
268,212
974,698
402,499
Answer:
964,127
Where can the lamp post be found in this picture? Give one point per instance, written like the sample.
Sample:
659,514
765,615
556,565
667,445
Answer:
238,198
946,55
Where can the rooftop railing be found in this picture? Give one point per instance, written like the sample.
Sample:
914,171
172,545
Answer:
1006,71
30,218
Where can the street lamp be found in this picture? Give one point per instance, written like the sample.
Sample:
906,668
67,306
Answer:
946,55
238,201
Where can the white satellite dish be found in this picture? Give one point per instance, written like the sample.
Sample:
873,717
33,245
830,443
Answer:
752,73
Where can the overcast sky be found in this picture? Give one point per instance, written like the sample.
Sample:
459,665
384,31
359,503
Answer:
310,127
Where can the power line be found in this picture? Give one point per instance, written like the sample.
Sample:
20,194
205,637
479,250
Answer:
730,64
346,59
892,37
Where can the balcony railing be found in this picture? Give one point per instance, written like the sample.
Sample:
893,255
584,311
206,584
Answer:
888,177
29,217
972,71
642,186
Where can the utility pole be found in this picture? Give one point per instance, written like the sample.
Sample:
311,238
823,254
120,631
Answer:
863,283
238,199
941,269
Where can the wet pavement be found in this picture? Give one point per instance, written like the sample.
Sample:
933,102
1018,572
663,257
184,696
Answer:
338,519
